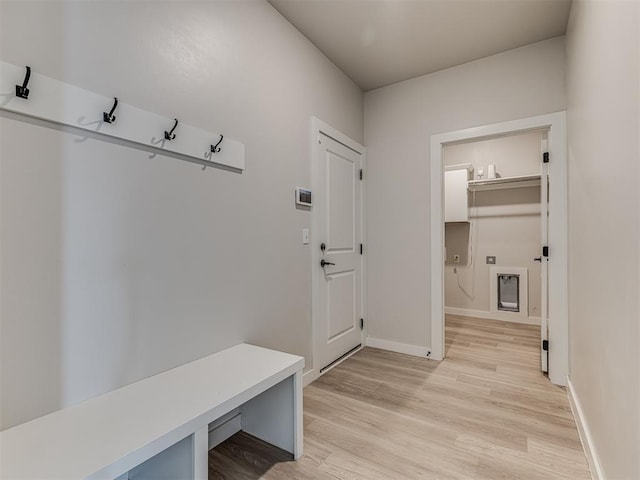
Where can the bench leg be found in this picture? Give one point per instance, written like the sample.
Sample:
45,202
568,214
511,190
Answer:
297,412
275,415
201,453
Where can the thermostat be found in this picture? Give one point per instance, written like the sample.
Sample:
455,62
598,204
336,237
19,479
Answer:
303,196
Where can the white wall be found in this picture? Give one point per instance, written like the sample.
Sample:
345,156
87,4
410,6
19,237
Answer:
603,101
399,122
503,223
115,265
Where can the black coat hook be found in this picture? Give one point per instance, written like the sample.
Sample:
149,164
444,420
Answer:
110,117
215,148
21,90
170,135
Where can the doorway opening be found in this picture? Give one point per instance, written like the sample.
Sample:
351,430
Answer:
552,181
493,239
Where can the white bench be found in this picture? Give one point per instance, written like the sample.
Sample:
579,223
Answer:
161,423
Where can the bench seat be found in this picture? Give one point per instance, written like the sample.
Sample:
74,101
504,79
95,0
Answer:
109,435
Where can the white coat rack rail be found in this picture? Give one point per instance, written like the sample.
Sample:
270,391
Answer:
26,92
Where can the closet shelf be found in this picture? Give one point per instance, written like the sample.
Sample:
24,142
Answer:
504,182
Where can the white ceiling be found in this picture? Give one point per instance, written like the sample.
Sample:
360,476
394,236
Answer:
380,42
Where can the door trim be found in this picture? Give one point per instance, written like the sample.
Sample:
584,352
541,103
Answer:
558,328
318,127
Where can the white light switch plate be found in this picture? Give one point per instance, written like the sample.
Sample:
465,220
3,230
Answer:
305,236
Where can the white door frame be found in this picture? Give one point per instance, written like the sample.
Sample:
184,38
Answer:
317,127
558,304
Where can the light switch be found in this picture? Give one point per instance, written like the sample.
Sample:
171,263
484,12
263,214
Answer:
305,236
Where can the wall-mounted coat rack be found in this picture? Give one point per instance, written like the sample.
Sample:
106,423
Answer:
58,102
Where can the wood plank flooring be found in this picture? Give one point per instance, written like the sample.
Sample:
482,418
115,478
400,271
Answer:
485,412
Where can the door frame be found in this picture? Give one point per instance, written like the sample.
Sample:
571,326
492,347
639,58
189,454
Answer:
558,290
318,127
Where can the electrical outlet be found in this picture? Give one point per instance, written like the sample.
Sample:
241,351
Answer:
491,260
456,258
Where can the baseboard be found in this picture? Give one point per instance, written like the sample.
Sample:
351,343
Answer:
501,316
308,377
585,434
224,427
406,348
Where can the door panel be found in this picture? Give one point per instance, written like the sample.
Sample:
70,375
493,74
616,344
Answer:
342,197
341,304
338,204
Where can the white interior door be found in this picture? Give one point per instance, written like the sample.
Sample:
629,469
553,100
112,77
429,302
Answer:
338,206
544,259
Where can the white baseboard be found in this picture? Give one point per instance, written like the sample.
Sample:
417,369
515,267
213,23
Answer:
308,377
224,427
585,434
415,350
502,316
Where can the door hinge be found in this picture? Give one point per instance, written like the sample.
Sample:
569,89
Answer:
361,174
361,249
545,345
362,324
545,157
545,251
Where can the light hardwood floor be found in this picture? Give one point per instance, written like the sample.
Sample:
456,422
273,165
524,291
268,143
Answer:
485,412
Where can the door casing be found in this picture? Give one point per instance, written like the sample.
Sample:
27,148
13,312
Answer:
317,127
558,290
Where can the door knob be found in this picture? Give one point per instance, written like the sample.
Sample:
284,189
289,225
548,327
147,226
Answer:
538,259
323,263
